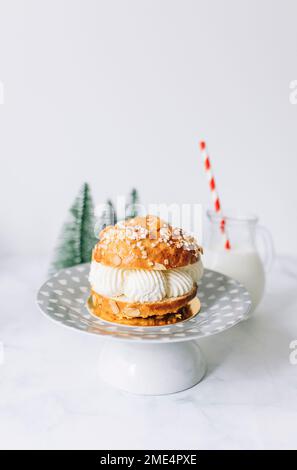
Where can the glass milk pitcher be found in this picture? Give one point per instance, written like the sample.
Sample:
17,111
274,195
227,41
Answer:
243,261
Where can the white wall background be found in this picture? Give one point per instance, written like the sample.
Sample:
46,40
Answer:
118,93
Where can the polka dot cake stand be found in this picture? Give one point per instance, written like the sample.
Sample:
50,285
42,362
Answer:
147,360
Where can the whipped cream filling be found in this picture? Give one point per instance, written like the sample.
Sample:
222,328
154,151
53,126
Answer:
106,280
143,285
195,270
178,282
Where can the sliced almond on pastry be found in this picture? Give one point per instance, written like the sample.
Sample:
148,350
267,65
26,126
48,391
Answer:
116,260
131,312
159,267
114,307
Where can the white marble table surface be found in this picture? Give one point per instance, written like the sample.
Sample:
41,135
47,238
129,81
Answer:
51,396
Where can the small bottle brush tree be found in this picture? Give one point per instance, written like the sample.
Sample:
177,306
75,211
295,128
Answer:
77,238
108,216
131,207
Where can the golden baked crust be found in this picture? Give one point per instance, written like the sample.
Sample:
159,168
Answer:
123,309
183,314
146,243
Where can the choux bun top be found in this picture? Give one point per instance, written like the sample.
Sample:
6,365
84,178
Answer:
146,243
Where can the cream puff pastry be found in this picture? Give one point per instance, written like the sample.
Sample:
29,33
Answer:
144,272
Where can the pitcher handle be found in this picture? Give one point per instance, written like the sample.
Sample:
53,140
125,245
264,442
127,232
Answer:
269,251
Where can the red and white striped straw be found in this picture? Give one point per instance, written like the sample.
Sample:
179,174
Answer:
214,192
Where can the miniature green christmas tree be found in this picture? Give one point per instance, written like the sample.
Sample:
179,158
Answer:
131,207
107,217
77,237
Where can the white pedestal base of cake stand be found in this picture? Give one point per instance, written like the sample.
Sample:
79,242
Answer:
151,369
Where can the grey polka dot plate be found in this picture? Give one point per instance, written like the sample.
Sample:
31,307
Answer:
224,302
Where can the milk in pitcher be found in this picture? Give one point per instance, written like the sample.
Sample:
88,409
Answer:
242,262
